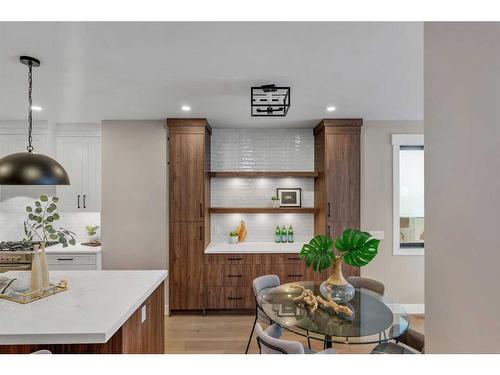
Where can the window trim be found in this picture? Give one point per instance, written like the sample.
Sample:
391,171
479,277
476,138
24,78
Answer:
397,141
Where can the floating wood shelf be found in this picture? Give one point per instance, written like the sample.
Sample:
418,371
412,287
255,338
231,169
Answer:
264,174
262,210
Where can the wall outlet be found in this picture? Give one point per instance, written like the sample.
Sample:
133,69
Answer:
377,234
143,314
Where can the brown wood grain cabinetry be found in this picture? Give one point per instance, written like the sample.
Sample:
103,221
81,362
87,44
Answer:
337,160
186,265
228,277
230,298
189,196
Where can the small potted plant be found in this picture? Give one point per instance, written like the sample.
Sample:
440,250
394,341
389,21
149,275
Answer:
275,202
233,238
354,247
92,233
40,227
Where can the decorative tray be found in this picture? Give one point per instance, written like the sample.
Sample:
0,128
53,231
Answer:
30,296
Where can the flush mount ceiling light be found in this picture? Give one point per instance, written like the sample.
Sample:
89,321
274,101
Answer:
270,101
330,108
28,168
186,108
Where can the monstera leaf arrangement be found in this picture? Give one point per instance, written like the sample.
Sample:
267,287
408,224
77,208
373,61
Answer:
40,225
354,247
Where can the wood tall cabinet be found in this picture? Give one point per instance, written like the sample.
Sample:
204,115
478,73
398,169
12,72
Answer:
189,219
337,159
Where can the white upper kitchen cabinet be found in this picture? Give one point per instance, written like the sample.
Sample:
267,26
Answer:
81,157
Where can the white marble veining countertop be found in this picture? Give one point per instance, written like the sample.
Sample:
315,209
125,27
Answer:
94,307
77,249
254,248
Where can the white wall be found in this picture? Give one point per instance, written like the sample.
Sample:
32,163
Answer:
403,276
462,179
134,195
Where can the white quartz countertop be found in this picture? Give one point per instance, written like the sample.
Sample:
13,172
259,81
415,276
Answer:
77,249
254,248
94,307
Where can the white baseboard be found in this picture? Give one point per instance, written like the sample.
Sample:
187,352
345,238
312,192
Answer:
414,308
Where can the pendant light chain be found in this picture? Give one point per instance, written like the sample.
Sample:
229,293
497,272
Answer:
30,111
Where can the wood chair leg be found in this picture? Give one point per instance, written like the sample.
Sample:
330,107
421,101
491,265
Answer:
308,339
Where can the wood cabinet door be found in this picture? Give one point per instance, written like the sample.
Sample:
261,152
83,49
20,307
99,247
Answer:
186,265
187,176
343,177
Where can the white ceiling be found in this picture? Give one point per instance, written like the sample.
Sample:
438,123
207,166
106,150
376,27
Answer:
101,71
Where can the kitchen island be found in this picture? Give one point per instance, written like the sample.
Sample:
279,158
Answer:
101,312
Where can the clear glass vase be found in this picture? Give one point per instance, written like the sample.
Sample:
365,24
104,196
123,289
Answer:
337,286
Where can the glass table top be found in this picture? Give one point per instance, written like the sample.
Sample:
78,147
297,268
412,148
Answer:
375,317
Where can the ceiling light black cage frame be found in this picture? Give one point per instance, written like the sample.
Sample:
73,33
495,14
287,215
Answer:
269,101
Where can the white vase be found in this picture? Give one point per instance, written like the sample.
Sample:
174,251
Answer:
36,271
94,238
44,265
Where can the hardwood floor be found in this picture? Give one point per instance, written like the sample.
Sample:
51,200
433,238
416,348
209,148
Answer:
228,334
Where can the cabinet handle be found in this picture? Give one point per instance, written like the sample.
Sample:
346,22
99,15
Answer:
234,298
294,275
201,209
78,200
65,259
234,275
293,258
328,230
201,233
84,198
234,258
328,209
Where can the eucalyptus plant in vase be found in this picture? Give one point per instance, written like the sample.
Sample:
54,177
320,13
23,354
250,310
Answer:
40,227
354,247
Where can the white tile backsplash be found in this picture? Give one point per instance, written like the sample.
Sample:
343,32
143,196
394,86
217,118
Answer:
261,150
261,227
257,192
13,214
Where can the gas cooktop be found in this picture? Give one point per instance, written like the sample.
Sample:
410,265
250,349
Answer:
22,246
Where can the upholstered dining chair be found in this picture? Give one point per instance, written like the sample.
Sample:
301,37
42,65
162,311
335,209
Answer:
411,338
363,282
269,342
259,284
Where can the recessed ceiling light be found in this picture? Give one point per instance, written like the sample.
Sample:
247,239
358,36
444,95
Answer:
330,108
36,108
186,108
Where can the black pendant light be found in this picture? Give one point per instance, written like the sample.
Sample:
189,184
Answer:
28,168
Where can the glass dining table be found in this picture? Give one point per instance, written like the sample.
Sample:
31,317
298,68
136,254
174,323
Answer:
375,318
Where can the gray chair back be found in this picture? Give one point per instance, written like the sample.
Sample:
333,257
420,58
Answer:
413,339
363,282
272,345
263,282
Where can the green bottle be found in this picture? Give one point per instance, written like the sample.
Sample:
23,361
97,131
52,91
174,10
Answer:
284,236
290,234
277,235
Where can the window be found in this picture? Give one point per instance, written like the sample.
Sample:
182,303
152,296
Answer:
408,194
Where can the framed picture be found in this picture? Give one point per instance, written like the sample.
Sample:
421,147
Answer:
289,197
